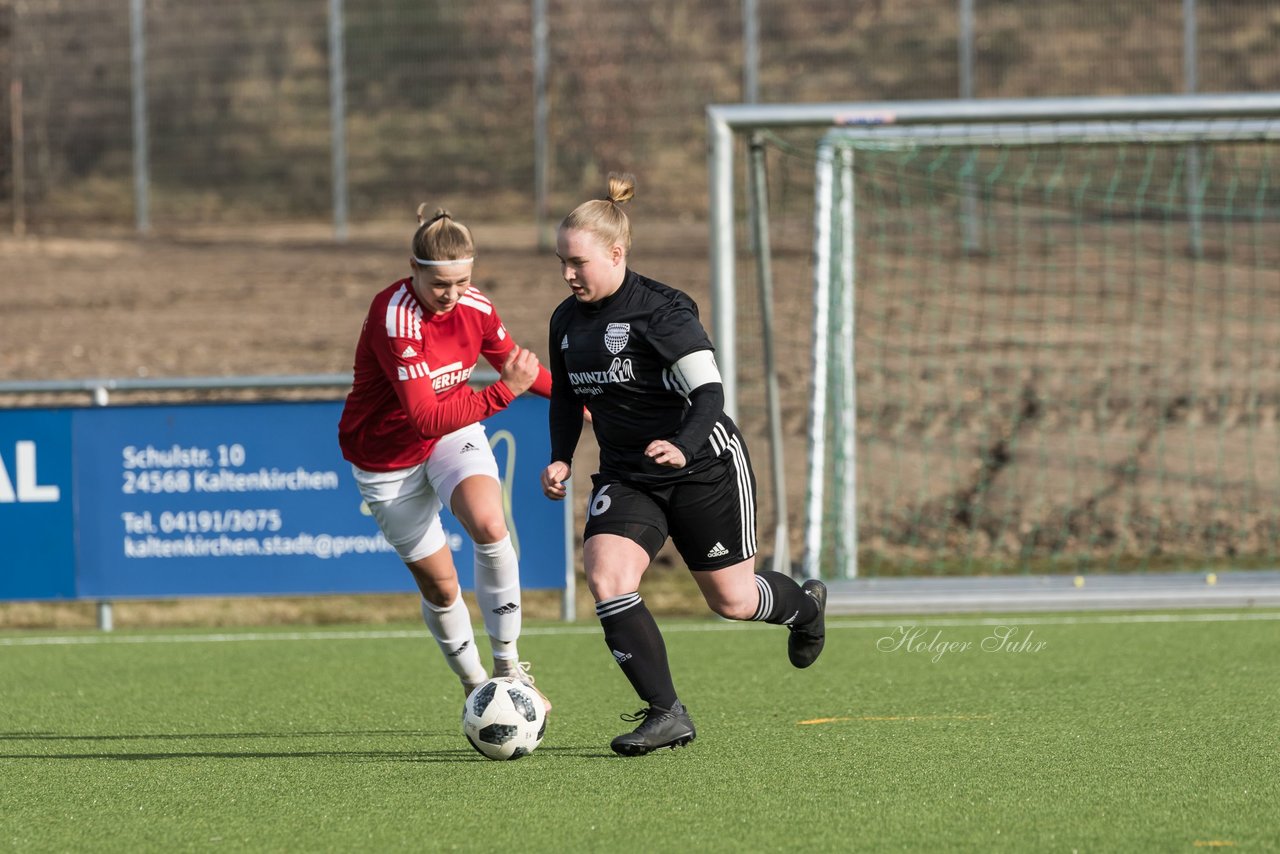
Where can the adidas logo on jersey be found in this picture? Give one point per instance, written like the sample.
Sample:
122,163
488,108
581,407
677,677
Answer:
409,352
718,550
621,656
564,343
470,447
509,608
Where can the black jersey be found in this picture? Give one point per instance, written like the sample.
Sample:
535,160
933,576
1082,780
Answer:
614,356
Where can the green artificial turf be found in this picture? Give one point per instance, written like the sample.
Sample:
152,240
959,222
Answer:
1100,733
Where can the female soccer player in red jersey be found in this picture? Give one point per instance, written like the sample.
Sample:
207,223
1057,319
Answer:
411,430
672,463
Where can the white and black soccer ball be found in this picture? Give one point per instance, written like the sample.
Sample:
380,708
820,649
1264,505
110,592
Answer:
504,718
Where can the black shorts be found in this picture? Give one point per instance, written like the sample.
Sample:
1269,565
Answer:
711,520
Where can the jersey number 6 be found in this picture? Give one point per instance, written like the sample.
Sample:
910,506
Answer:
601,502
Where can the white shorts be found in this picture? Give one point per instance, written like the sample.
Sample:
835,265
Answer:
406,502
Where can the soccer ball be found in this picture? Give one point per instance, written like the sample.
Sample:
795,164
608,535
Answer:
504,718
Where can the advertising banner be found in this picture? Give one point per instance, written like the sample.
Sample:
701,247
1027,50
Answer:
37,533
230,499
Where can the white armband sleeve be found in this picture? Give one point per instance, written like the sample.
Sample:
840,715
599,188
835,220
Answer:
695,369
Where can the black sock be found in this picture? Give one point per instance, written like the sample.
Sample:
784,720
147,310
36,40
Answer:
637,646
782,601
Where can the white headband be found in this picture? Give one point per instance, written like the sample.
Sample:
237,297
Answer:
422,262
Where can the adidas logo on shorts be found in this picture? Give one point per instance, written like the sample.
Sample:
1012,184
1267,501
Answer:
718,550
468,447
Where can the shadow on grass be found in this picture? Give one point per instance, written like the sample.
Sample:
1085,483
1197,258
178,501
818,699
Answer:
56,736
443,755
461,754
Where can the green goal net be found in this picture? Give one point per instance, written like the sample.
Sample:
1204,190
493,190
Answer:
1020,347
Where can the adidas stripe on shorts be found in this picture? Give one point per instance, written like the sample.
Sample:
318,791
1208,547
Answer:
710,519
406,503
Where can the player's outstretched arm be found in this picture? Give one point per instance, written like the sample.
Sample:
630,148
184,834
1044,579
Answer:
497,358
432,417
519,370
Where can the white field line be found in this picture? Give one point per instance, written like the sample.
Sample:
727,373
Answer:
553,631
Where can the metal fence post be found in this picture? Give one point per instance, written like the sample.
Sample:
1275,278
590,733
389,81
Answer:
138,68
966,48
17,139
1190,72
106,618
541,111
17,132
338,117
969,200
750,51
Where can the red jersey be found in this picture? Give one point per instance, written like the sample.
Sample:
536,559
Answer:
410,377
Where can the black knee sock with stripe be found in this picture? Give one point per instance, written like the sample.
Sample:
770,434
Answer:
782,601
637,646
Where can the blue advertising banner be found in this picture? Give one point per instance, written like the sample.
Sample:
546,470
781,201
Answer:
228,499
37,560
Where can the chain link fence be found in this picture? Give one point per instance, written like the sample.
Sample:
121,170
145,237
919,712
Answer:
236,100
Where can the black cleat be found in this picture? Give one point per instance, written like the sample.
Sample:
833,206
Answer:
658,728
806,641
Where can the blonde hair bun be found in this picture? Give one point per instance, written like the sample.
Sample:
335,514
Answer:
622,187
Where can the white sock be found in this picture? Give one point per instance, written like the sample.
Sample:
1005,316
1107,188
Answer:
451,627
498,595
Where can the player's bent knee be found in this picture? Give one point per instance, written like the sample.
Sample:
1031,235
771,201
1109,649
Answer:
604,586
438,587
440,595
606,583
489,530
732,609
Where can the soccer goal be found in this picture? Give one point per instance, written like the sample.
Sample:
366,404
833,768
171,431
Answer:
1005,336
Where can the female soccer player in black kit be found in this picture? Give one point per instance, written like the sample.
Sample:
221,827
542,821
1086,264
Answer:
672,463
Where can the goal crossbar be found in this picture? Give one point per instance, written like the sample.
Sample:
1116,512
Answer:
725,122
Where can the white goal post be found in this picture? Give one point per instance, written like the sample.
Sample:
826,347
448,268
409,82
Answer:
950,122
